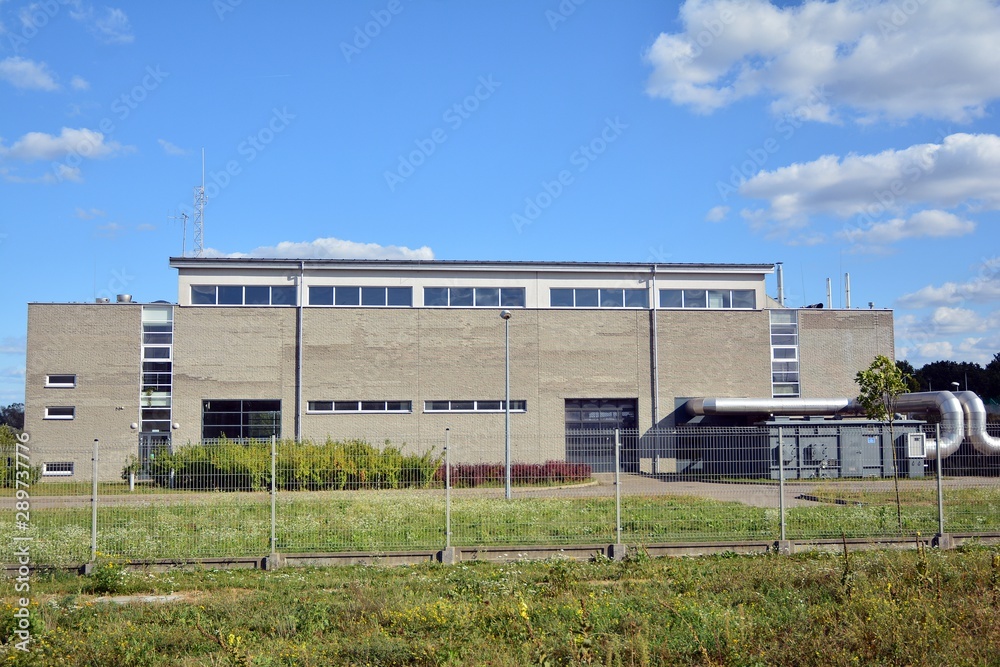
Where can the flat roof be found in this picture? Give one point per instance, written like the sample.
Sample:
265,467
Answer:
455,264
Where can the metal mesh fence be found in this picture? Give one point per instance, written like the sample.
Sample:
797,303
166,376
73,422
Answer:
799,480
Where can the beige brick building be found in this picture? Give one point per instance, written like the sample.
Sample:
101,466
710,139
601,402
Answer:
402,350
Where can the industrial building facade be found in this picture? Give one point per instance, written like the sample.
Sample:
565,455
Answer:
308,349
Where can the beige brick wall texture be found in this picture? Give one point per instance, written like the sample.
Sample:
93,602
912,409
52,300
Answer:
420,354
100,344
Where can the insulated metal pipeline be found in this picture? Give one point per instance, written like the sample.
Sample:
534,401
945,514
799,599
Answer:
975,423
952,418
777,406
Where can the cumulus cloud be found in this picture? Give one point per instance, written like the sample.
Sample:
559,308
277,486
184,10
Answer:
79,83
330,248
109,24
89,214
924,224
13,345
171,149
717,214
82,142
27,74
876,59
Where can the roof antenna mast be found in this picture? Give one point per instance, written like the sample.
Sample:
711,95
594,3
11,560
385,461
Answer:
199,212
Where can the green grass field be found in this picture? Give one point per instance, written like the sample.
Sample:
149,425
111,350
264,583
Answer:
238,524
872,608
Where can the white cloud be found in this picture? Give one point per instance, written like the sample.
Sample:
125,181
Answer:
89,214
875,59
171,149
982,288
717,214
145,227
79,83
110,24
23,73
62,173
929,223
13,345
330,248
110,230
41,146
962,170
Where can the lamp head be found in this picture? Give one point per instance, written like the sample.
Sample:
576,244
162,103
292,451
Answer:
505,314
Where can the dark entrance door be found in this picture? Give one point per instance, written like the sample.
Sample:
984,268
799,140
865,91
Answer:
151,445
590,430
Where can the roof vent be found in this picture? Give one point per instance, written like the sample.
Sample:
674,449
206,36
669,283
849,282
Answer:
124,298
102,299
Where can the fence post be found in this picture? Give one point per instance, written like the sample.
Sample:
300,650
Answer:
942,540
274,490
618,549
449,555
93,507
784,546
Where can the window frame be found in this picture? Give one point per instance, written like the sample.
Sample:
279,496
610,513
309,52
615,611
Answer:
519,406
46,472
49,384
505,296
55,417
334,410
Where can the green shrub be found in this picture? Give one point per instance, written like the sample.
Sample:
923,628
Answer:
8,460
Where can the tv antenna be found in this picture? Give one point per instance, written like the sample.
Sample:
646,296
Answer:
183,217
199,212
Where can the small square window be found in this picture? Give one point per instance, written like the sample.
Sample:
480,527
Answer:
348,296
695,298
372,296
320,296
561,298
671,298
719,298
284,295
586,298
257,295
636,298
435,296
461,296
62,381
488,297
60,412
399,296
512,297
203,295
744,298
612,298
230,295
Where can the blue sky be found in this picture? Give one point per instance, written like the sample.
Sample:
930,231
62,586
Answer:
848,136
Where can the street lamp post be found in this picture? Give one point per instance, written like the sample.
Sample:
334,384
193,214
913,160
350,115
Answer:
505,315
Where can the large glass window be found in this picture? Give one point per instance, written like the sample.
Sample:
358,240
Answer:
605,297
784,353
474,406
322,407
240,419
715,299
243,295
475,297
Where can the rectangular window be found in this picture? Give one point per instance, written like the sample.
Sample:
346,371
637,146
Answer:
60,412
230,295
671,298
61,381
241,419
332,407
435,296
372,296
347,296
512,297
488,297
636,298
745,299
719,299
612,298
203,295
320,296
561,298
285,295
156,352
460,296
399,296
57,469
605,297
475,297
587,298
695,298
258,295
473,406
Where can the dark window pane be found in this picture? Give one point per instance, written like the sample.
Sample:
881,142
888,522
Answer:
257,295
512,297
202,295
519,405
321,296
744,298
321,406
399,296
636,298
695,298
230,295
262,406
487,296
719,298
223,406
586,298
461,296
345,406
612,298
780,339
489,405
283,296
372,296
157,328
463,405
561,298
436,405
398,406
155,413
783,353
784,328
435,296
671,298
373,405
156,353
348,296
156,366
158,338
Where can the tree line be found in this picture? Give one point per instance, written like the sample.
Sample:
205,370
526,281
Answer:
939,376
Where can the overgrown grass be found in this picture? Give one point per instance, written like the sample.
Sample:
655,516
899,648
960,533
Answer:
875,608
238,524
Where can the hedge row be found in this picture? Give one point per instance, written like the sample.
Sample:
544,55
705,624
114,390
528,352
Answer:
232,466
521,474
